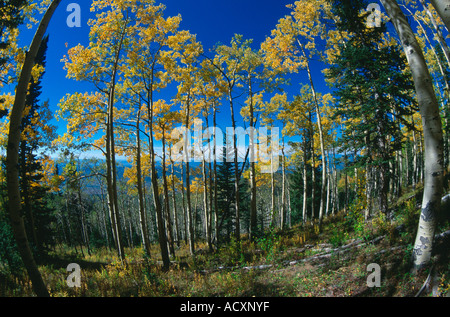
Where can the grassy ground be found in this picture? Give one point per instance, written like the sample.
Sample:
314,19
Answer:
298,262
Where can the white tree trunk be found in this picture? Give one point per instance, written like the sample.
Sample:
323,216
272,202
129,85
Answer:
443,9
433,136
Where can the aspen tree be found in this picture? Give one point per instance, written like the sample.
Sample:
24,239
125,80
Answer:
165,120
257,79
186,72
432,131
215,89
101,63
291,47
156,45
437,31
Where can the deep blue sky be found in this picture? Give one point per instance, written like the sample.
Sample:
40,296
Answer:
213,21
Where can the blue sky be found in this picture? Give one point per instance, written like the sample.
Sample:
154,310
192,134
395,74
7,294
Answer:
212,21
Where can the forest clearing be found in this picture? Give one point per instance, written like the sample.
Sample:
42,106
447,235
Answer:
178,150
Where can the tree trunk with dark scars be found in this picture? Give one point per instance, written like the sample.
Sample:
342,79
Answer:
433,136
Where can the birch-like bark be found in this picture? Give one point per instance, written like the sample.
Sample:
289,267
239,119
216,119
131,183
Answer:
190,224
283,188
321,138
206,203
305,181
438,33
253,210
174,200
111,147
216,202
142,218
433,136
162,237
170,239
443,9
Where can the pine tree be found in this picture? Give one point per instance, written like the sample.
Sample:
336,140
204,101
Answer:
373,93
36,133
225,193
11,17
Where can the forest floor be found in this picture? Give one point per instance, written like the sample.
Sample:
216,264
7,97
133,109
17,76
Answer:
297,262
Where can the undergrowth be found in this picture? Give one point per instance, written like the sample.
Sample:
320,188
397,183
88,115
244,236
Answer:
255,268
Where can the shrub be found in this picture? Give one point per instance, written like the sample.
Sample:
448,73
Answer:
269,244
338,238
355,221
9,255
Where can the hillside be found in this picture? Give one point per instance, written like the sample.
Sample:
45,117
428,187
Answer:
298,262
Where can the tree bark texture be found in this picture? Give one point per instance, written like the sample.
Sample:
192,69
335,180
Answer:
433,135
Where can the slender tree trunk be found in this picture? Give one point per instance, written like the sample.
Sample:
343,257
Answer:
111,208
12,172
236,171
142,217
84,227
190,225
321,137
313,170
216,203
104,216
432,129
283,188
368,191
336,192
289,210
206,201
113,179
211,199
415,157
443,9
327,209
162,237
272,189
438,33
438,60
206,205
253,210
183,195
170,239
174,202
346,183
305,182
112,153
384,165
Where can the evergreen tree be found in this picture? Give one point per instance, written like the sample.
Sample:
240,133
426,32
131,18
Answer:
296,188
37,133
10,17
9,255
245,199
373,92
225,193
